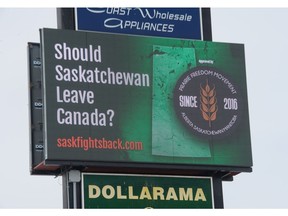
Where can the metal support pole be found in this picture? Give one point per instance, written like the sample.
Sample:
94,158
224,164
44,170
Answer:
65,18
71,189
218,192
74,195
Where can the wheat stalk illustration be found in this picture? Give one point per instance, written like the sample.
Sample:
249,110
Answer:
208,104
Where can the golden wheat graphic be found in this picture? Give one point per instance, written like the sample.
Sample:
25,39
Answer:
208,104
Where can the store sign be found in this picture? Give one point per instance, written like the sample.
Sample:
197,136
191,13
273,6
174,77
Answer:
150,100
146,191
164,22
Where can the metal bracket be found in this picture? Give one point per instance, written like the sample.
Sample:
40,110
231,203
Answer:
74,176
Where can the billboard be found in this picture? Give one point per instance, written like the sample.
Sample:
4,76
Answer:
144,100
146,191
164,22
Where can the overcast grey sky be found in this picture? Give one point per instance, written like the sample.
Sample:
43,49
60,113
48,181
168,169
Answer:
264,33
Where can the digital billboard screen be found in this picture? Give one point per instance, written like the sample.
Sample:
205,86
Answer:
144,100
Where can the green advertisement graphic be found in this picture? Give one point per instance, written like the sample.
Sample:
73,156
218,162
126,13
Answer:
113,98
146,191
168,138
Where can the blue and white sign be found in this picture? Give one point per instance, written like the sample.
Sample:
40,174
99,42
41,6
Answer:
164,22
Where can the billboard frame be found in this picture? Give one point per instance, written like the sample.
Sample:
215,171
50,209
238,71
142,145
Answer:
36,147
227,170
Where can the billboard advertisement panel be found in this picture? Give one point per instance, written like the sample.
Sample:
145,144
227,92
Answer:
146,191
164,22
148,100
